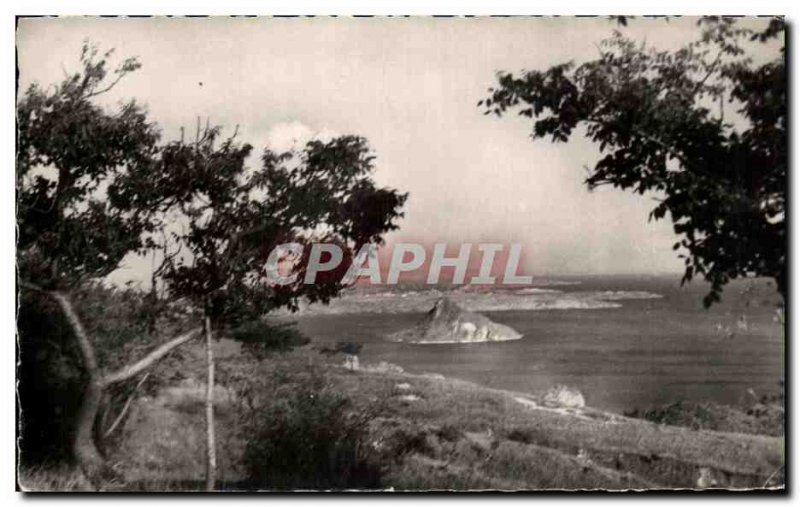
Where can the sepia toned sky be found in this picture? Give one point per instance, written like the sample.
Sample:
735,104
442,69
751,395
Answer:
408,85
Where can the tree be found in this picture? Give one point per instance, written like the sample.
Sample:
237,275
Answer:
232,216
78,213
664,123
95,185
74,160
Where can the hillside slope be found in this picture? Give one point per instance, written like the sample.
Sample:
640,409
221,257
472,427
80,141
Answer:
511,441
433,433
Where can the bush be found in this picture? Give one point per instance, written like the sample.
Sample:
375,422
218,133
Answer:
309,439
449,433
405,441
760,419
262,339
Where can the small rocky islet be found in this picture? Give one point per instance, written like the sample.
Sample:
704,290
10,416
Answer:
446,322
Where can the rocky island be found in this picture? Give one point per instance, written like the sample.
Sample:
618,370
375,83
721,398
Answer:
446,322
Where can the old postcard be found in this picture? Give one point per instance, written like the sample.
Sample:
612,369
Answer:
401,253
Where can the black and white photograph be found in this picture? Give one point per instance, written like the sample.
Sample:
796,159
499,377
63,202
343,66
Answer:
390,254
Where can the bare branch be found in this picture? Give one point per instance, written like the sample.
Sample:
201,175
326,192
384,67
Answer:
125,407
107,88
87,351
147,361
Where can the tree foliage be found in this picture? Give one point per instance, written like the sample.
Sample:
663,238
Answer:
233,216
95,184
74,162
702,127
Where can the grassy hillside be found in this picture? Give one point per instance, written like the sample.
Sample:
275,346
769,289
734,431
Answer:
419,432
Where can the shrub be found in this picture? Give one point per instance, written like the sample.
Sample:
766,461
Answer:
762,418
262,339
404,441
309,439
449,433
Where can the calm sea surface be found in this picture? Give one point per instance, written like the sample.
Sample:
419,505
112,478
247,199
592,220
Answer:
647,352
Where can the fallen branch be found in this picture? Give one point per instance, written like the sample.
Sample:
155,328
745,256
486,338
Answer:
149,359
84,449
125,407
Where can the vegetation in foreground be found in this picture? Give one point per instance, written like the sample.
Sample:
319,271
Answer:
96,184
341,428
299,420
764,416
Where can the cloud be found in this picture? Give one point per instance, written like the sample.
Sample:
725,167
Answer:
286,136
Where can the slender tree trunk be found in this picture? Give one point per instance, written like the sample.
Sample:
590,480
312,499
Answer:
88,457
83,445
211,451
